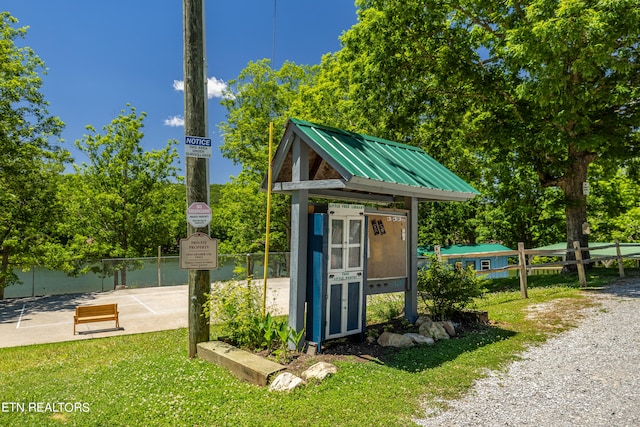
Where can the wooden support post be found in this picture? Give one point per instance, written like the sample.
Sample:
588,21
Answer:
522,259
299,238
197,169
581,275
619,255
436,250
411,293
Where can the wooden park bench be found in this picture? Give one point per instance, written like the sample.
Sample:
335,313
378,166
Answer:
95,313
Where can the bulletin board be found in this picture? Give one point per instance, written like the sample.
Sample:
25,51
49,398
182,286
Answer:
387,245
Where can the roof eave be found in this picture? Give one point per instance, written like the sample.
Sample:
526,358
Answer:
421,193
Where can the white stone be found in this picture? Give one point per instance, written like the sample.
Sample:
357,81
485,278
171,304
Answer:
448,326
438,332
420,339
389,339
286,381
319,371
425,329
422,320
435,331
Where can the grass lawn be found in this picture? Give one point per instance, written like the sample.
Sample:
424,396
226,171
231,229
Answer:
147,379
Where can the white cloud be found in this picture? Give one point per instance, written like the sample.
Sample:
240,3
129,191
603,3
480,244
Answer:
175,121
215,88
178,85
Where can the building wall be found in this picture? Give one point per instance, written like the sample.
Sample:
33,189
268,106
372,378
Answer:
477,263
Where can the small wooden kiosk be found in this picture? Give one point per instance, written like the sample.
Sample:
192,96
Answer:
337,165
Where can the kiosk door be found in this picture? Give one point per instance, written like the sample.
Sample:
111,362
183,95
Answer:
345,274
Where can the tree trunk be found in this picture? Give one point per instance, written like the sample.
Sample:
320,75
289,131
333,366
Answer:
576,203
116,277
123,275
4,269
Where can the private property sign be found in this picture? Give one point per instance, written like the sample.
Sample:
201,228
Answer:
199,215
195,146
198,252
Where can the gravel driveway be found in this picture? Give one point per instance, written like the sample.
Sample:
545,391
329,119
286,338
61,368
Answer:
588,376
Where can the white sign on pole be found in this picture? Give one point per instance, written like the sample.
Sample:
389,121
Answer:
198,252
199,215
195,146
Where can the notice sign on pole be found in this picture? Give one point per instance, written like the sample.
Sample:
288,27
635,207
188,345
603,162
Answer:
199,215
195,146
198,252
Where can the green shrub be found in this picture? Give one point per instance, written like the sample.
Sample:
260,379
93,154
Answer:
385,307
237,308
446,289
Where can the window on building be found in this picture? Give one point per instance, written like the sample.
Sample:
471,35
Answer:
485,264
471,264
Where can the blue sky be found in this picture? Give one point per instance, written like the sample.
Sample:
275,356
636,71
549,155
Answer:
101,55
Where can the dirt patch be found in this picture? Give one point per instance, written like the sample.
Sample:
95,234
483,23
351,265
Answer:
559,314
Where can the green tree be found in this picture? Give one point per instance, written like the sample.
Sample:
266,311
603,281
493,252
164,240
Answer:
30,163
516,207
258,96
613,200
555,83
123,203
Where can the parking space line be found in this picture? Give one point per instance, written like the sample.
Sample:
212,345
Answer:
21,313
143,304
47,324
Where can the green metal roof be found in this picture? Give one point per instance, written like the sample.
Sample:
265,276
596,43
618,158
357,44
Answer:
631,249
369,164
464,249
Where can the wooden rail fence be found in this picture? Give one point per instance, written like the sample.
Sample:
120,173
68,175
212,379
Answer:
524,267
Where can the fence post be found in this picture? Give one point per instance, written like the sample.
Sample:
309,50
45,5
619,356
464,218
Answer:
522,259
581,276
159,260
619,255
436,249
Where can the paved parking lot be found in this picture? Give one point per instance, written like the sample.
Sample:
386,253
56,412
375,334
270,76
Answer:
37,320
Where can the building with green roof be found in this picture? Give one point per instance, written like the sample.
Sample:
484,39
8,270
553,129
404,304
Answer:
319,161
480,257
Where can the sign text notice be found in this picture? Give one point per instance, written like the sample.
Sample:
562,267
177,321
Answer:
195,146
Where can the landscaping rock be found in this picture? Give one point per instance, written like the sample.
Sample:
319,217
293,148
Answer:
420,339
435,331
449,327
389,339
286,381
319,371
422,320
425,328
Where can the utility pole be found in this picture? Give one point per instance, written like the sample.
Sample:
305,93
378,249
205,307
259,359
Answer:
195,124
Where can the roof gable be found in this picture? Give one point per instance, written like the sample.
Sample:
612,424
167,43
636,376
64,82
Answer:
345,164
